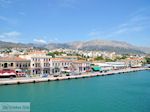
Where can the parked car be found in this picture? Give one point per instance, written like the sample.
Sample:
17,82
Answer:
68,74
55,75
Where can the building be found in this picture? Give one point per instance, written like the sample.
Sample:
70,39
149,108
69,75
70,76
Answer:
117,65
15,63
81,66
104,66
70,58
40,64
59,64
134,62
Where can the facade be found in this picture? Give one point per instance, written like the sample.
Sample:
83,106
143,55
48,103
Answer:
70,58
40,65
104,66
81,66
117,65
134,62
58,65
15,63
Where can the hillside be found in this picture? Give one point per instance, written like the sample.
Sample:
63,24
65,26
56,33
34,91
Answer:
103,45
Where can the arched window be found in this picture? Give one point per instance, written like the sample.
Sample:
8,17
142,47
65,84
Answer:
5,65
11,64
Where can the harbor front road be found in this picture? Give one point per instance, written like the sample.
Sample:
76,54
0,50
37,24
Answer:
52,78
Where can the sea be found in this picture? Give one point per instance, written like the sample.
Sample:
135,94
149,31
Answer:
127,92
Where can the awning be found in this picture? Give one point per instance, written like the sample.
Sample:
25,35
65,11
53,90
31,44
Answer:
18,70
7,74
96,68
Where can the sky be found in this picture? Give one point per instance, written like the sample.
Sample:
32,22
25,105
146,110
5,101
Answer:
45,21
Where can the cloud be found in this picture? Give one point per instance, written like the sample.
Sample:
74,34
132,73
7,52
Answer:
9,21
93,33
137,23
5,3
12,36
41,41
22,13
67,3
55,39
3,18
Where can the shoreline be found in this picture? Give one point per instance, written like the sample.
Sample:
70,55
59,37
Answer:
85,75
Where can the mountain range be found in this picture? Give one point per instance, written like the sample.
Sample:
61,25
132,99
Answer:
103,45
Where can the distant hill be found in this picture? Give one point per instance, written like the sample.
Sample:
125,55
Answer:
145,49
11,45
103,45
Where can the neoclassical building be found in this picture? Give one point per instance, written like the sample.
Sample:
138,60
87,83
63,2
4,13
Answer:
15,63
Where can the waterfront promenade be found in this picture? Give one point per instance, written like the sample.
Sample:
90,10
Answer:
51,78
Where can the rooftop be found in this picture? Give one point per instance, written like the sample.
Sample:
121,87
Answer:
12,59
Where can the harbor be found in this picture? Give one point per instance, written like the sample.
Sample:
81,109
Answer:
52,78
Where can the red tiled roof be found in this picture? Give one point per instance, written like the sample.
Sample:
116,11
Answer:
60,59
37,52
135,58
12,59
79,61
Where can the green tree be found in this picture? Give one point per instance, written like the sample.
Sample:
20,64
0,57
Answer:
51,54
147,60
108,60
99,58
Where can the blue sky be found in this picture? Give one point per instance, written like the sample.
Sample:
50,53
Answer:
43,21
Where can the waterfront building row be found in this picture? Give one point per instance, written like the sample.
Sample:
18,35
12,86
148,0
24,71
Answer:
42,64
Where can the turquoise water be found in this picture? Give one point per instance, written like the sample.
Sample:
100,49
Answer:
129,92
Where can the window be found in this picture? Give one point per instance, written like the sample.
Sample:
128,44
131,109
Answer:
5,65
11,64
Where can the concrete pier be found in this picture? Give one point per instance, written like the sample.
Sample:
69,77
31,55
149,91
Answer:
85,75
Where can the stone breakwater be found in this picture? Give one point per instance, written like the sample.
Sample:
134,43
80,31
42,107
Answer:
85,75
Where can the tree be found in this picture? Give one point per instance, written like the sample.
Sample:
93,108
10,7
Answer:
108,60
99,58
51,54
147,60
